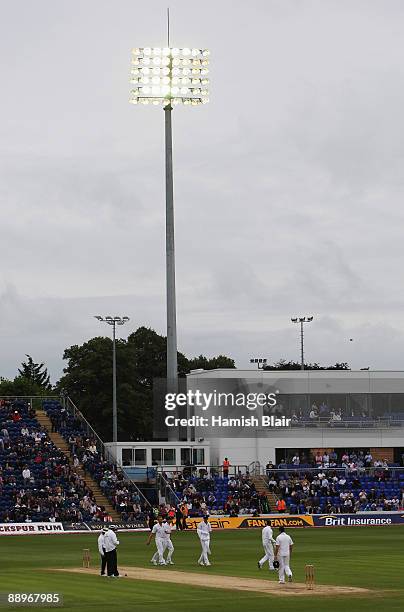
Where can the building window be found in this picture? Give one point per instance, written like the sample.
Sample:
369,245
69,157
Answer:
358,405
127,456
185,456
169,456
396,403
156,456
198,456
381,403
140,456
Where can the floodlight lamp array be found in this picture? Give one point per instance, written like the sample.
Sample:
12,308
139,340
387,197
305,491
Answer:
169,76
112,320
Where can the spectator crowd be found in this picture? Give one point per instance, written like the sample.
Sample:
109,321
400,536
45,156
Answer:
350,482
38,482
123,494
211,493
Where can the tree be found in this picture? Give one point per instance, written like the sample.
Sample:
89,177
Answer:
282,364
140,359
88,380
201,362
20,386
36,373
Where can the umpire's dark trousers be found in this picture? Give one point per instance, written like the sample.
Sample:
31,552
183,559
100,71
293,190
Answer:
112,563
103,562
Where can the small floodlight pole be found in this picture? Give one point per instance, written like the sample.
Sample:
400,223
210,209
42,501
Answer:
114,321
260,362
302,321
114,402
170,76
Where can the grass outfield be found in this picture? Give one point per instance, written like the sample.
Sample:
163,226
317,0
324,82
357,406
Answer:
358,556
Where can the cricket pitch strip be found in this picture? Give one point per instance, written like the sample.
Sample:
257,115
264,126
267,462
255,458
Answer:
232,583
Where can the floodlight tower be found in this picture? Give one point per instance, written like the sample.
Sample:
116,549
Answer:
168,77
261,363
302,321
114,321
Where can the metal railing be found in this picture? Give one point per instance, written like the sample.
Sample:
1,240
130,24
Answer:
174,497
254,468
199,471
381,422
393,471
89,430
35,401
165,490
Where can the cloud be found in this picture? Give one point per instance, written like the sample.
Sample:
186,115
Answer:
288,185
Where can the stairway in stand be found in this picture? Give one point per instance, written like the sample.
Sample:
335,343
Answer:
262,487
61,443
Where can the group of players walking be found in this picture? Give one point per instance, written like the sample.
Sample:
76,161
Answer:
161,532
277,552
280,557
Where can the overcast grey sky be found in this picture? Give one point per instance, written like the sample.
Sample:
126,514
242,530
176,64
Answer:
289,185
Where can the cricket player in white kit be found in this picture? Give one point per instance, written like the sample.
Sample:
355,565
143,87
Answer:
168,545
158,533
267,543
203,530
283,550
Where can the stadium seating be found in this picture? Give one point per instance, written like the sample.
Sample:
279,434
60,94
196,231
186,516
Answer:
122,493
216,494
56,492
379,490
53,490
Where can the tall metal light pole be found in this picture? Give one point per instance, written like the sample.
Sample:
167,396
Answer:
114,321
170,76
302,321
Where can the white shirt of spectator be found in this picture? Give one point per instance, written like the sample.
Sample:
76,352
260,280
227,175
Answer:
284,541
159,531
110,541
204,530
26,473
267,535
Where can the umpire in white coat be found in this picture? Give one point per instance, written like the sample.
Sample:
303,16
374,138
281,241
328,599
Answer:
110,544
101,550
